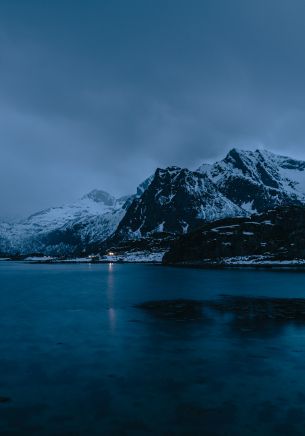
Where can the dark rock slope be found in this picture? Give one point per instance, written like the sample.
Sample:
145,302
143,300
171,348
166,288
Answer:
175,201
276,234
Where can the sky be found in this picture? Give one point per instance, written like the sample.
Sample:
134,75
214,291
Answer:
97,94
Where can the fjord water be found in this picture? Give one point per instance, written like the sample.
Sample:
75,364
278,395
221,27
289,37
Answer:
77,358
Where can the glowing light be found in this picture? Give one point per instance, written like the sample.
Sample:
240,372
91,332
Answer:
112,318
110,253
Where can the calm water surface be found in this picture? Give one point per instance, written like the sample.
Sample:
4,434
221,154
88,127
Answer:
77,358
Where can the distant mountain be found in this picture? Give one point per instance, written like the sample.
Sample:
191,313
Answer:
66,229
176,200
258,180
275,235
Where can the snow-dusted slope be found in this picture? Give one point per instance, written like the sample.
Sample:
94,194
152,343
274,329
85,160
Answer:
65,229
258,180
175,201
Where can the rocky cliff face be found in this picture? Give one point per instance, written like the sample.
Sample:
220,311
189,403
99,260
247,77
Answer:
176,201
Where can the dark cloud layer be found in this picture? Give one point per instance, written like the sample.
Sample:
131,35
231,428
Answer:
96,94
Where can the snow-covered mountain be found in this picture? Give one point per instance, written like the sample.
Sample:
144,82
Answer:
258,180
66,229
176,200
172,201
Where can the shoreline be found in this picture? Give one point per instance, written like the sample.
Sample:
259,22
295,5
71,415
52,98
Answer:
200,265
278,266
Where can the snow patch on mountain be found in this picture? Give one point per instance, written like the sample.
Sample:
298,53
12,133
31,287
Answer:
248,207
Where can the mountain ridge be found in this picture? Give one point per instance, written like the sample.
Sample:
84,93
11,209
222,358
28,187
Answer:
93,216
171,201
258,180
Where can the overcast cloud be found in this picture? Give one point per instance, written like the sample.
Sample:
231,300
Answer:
97,94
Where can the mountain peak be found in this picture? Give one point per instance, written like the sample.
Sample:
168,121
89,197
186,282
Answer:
257,180
173,168
257,153
100,196
167,171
